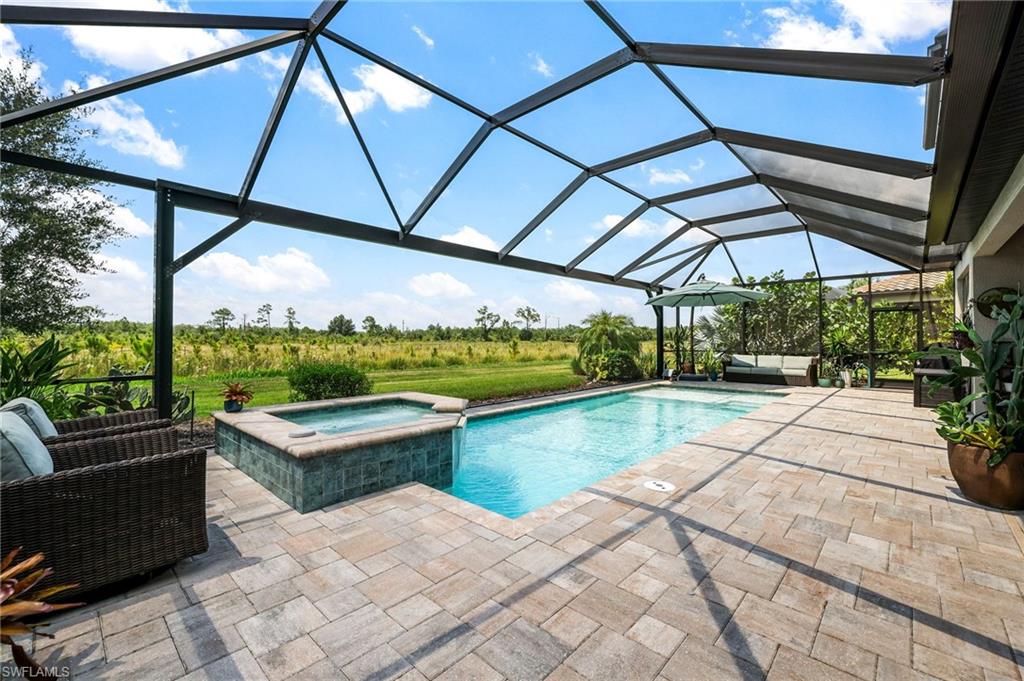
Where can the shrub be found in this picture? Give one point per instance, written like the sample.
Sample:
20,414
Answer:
577,366
617,365
322,381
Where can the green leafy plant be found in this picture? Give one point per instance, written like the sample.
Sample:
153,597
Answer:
237,392
839,343
1000,428
617,365
708,361
34,374
18,601
605,333
322,381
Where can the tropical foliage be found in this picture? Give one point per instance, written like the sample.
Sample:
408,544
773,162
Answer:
609,347
1000,427
19,599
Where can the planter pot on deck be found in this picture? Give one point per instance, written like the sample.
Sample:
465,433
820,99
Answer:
1000,486
825,382
839,383
232,406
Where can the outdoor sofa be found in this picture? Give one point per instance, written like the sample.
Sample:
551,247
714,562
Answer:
113,507
773,369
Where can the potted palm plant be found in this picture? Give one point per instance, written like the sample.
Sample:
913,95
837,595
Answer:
709,361
986,448
236,395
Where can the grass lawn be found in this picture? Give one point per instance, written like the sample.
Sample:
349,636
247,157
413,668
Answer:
472,383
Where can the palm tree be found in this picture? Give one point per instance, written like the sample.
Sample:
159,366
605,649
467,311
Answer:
605,332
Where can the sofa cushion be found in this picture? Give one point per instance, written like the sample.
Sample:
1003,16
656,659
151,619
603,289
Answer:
794,372
738,370
743,361
22,454
796,362
771,361
768,371
31,413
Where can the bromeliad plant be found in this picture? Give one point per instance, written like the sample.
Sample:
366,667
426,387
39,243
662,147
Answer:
237,392
17,603
1000,428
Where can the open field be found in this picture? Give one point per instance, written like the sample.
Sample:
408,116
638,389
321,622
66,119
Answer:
472,383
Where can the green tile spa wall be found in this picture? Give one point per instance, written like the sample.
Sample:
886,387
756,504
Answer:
312,483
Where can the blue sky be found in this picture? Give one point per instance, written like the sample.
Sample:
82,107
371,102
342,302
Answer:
202,129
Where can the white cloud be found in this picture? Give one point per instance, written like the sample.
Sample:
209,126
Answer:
467,236
121,288
549,234
699,165
644,227
122,125
571,292
398,93
138,49
427,40
674,176
292,270
538,64
10,55
121,216
377,83
439,285
863,26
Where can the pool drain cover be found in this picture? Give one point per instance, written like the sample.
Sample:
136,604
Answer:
659,485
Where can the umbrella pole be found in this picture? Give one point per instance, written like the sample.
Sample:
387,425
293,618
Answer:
693,361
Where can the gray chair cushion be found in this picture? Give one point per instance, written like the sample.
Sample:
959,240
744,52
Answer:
771,361
796,362
743,361
22,454
738,370
768,371
32,414
794,372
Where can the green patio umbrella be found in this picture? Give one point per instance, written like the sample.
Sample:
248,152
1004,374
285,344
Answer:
703,293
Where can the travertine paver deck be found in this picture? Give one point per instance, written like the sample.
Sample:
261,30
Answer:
818,537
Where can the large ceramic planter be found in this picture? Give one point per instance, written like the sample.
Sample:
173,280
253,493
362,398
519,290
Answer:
1000,486
232,406
824,382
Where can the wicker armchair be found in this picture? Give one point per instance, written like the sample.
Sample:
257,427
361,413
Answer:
120,423
114,507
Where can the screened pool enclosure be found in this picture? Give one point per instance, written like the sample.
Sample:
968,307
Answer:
895,209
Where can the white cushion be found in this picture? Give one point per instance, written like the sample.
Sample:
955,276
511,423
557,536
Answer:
22,454
31,413
743,361
796,362
770,361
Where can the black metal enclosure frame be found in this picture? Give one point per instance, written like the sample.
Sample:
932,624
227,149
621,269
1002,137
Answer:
885,235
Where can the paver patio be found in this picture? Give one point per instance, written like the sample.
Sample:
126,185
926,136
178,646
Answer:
818,537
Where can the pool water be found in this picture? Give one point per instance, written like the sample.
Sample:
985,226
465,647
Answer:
516,462
357,417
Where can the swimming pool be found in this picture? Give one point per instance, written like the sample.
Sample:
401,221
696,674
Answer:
516,462
347,419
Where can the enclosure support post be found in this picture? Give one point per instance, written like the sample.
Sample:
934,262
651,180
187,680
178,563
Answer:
693,357
871,338
821,321
163,301
659,352
743,328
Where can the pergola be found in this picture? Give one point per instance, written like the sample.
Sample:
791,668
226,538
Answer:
828,191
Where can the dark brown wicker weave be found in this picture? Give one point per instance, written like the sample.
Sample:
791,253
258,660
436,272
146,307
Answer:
114,507
121,418
122,429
